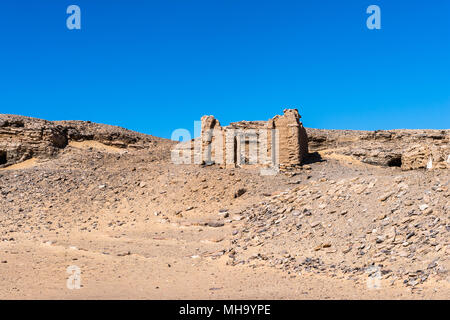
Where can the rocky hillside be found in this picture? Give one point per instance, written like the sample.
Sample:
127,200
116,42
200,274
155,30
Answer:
351,221
22,138
408,149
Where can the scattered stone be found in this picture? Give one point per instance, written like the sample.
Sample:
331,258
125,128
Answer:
142,184
240,192
215,224
386,196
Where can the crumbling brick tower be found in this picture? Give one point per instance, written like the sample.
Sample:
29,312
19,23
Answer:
293,140
280,142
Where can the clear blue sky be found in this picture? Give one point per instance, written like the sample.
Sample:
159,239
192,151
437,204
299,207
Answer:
157,65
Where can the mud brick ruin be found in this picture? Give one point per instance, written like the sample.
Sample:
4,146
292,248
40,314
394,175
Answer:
280,142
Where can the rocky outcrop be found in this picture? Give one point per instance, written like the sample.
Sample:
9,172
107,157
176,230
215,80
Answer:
408,149
426,156
22,138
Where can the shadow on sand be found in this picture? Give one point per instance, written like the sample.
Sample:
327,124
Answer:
313,158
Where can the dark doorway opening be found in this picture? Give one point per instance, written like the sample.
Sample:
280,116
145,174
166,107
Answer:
235,155
3,159
395,162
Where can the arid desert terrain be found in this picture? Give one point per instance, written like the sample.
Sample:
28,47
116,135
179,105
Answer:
363,218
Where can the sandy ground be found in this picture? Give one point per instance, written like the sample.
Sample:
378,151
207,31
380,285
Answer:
169,267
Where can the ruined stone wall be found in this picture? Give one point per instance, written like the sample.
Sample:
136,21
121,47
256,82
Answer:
213,141
292,138
281,141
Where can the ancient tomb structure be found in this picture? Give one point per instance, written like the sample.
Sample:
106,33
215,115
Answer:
280,142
